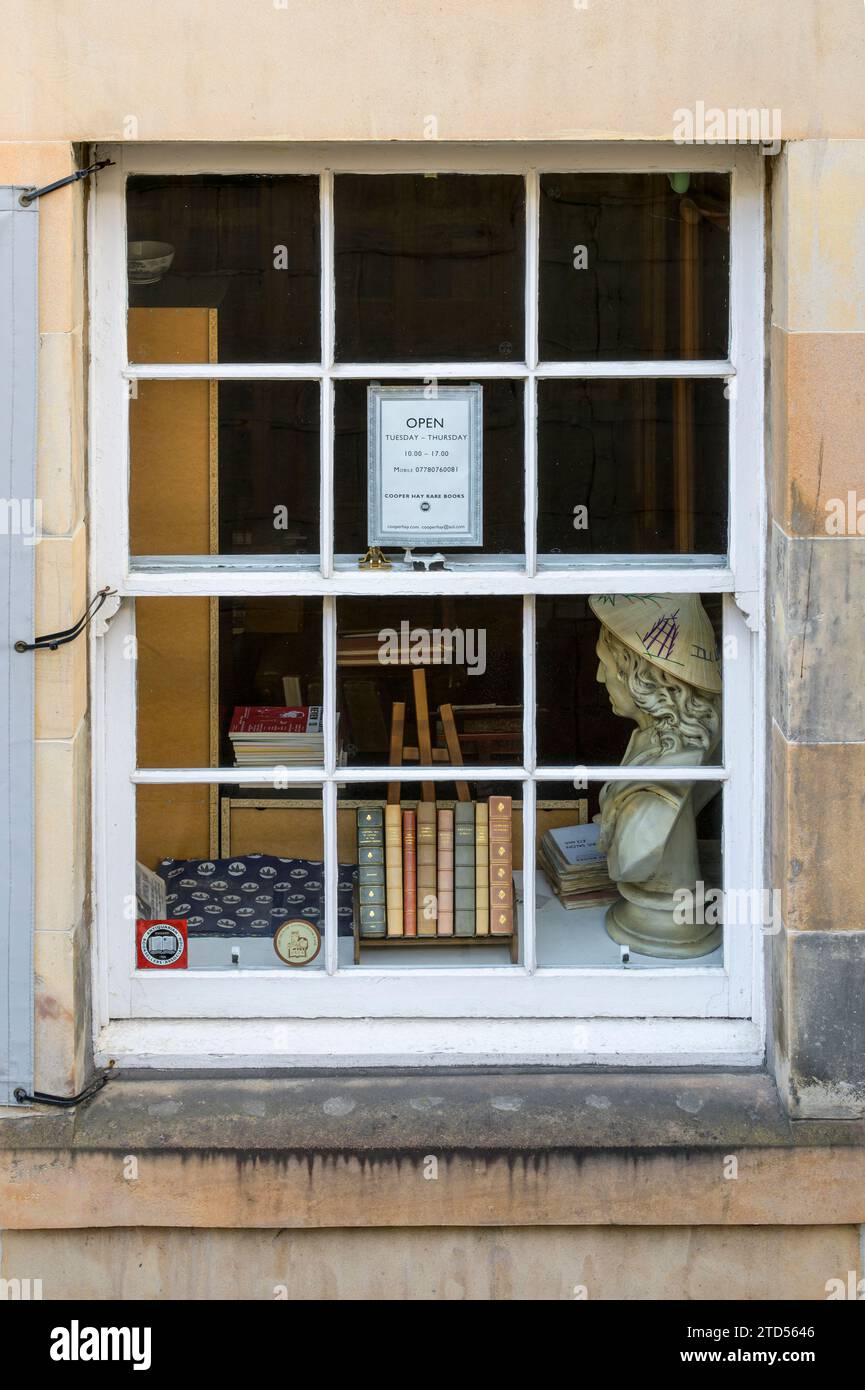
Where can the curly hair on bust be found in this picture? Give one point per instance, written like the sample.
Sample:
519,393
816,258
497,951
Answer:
682,716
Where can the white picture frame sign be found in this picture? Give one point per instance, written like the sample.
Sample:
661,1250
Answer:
425,465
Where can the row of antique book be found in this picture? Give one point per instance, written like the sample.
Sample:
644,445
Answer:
436,871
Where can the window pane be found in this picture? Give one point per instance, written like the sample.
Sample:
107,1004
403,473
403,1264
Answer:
228,466
633,267
632,467
244,246
429,267
620,674
503,487
436,875
454,666
248,896
231,682
642,871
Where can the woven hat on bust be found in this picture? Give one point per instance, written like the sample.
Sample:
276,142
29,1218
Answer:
670,630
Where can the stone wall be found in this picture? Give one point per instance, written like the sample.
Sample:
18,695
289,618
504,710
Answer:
816,614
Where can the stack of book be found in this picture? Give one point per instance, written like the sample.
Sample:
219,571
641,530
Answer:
267,735
575,867
436,871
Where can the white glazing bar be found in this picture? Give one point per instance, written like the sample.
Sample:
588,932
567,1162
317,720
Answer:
328,631
637,579
625,773
417,371
422,371
326,484
636,370
533,193
530,456
328,296
529,952
413,773
529,685
331,879
224,371
291,776
530,470
328,328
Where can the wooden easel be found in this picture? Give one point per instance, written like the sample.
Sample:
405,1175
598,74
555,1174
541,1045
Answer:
424,753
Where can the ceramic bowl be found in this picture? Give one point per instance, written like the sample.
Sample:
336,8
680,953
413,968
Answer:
148,261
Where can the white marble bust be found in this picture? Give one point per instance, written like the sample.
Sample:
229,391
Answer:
657,659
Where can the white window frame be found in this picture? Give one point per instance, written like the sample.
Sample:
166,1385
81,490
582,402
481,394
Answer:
366,1015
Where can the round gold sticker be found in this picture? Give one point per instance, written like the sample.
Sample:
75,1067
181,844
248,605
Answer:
297,942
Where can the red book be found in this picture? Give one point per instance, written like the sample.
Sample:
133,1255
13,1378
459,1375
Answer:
275,719
409,872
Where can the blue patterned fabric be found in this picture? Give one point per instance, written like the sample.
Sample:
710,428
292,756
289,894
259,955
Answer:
252,894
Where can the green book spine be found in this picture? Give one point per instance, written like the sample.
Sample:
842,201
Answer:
464,868
370,858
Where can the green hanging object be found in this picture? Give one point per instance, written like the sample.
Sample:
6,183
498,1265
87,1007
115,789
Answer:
680,183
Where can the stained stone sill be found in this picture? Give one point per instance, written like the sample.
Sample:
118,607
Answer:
472,1149
520,1111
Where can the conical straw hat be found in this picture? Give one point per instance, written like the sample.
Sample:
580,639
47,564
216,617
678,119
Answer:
670,630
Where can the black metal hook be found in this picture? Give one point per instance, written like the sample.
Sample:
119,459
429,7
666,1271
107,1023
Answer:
27,198
65,1102
52,640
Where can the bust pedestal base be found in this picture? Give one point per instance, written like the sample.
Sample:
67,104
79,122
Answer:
652,932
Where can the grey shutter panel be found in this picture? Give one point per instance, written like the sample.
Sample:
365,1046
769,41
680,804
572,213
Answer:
18,517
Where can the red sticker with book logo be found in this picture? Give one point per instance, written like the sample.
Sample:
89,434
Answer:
161,943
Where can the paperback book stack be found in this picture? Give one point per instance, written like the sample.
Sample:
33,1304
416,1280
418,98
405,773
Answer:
436,871
269,735
576,868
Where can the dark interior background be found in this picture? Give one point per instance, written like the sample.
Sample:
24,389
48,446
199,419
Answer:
656,282
226,231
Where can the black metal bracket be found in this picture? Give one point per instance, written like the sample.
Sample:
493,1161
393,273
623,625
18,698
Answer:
27,198
52,640
65,1102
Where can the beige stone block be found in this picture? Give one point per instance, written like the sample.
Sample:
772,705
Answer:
85,1186
817,656
819,212
62,831
818,425
61,597
817,857
60,444
35,163
508,1264
545,69
61,228
61,1016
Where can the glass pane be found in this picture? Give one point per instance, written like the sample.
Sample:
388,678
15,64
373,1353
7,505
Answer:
429,266
231,682
620,676
245,247
246,890
437,869
449,669
634,266
229,467
503,486
632,467
629,867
